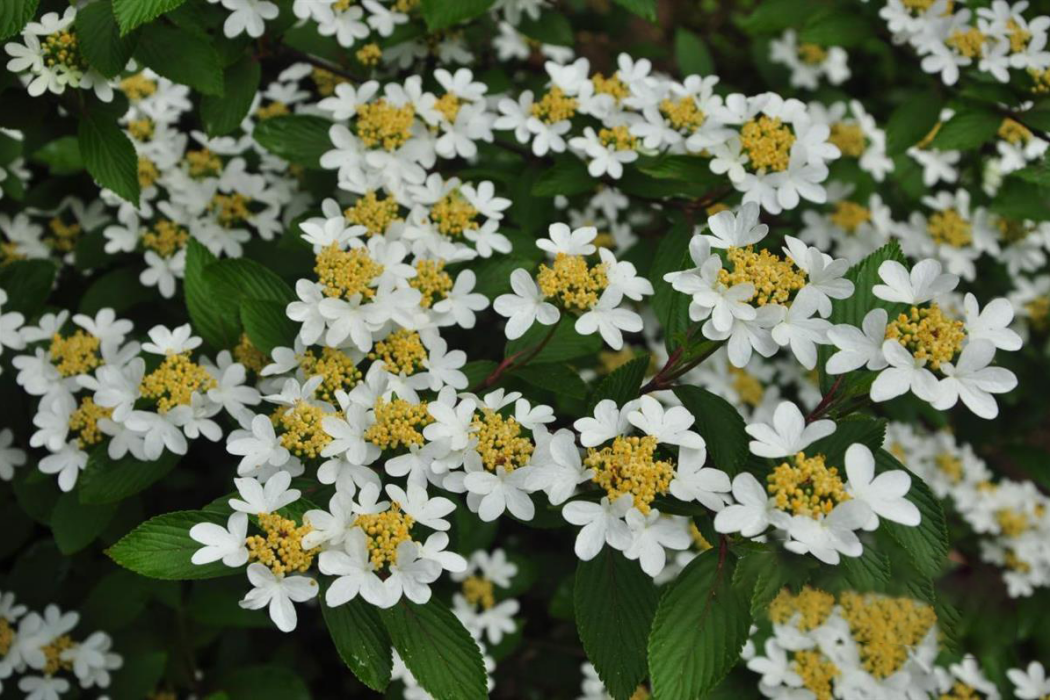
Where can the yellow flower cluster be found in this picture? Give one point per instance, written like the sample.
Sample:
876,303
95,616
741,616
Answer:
232,209
448,106
281,549
398,423
141,129
812,54
147,172
325,81
610,86
951,465
166,238
948,227
572,281
137,86
62,236
381,124
1012,522
203,163
1019,36
961,691
63,49
84,422
337,368
75,354
369,54
885,629
301,431
1014,131
346,273
812,605
453,214
385,532
174,381
816,671
928,334
1040,80
274,109
806,486
1038,312
373,213
619,138
248,355
7,637
747,386
500,442
402,352
479,591
968,42
767,142
53,661
775,278
848,215
848,138
629,466
683,113
432,281
554,106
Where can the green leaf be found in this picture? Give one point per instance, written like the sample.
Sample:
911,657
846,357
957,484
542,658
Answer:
217,324
118,289
61,156
700,627
14,14
240,278
549,28
139,676
836,27
776,15
927,543
765,572
76,525
565,344
691,53
912,121
870,572
221,115
720,425
108,481
870,432
968,129
1022,199
554,377
622,384
101,40
1037,173
265,683
28,284
108,154
441,14
646,9
615,602
267,325
688,168
437,649
132,13
181,56
300,139
361,640
161,547
568,176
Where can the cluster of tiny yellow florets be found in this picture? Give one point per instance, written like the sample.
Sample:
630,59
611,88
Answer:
346,273
281,549
967,42
399,423
274,109
885,629
63,49
203,163
950,465
848,215
369,54
948,227
1014,230
1012,522
448,106
373,213
337,368
75,354
1014,131
325,81
147,172
301,431
174,381
928,334
166,238
137,86
572,281
812,54
62,236
382,124
848,138
817,672
683,113
555,106
610,86
767,142
812,605
1040,80
629,466
618,138
248,355
53,661
747,386
775,278
432,281
806,486
141,129
402,352
7,637
230,209
478,590
453,214
385,532
84,422
500,442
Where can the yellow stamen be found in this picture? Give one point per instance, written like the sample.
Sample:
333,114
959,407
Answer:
250,356
347,273
610,86
138,86
147,172
373,213
62,236
928,334
337,368
166,238
75,354
274,109
806,486
432,281
767,142
812,54
774,278
453,214
817,673
84,422
848,215
577,285
281,549
382,124
402,352
683,114
629,466
848,138
369,54
619,138
300,429
500,442
969,42
479,591
53,661
813,606
399,423
1013,131
174,382
554,107
203,163
885,629
385,532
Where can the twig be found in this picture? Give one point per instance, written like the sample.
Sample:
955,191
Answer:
511,362
826,402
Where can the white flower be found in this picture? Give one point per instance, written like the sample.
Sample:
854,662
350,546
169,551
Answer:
859,347
354,572
461,302
1030,684
923,283
525,306
501,490
669,426
801,330
905,373
258,448
824,276
972,380
694,482
750,514
411,575
562,240
609,320
443,367
650,534
426,511
248,16
43,687
225,543
991,324
729,230
827,538
789,433
10,457
268,498
608,422
884,494
602,524
278,593
556,466
451,423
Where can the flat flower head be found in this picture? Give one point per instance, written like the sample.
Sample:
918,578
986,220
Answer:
789,433
922,284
